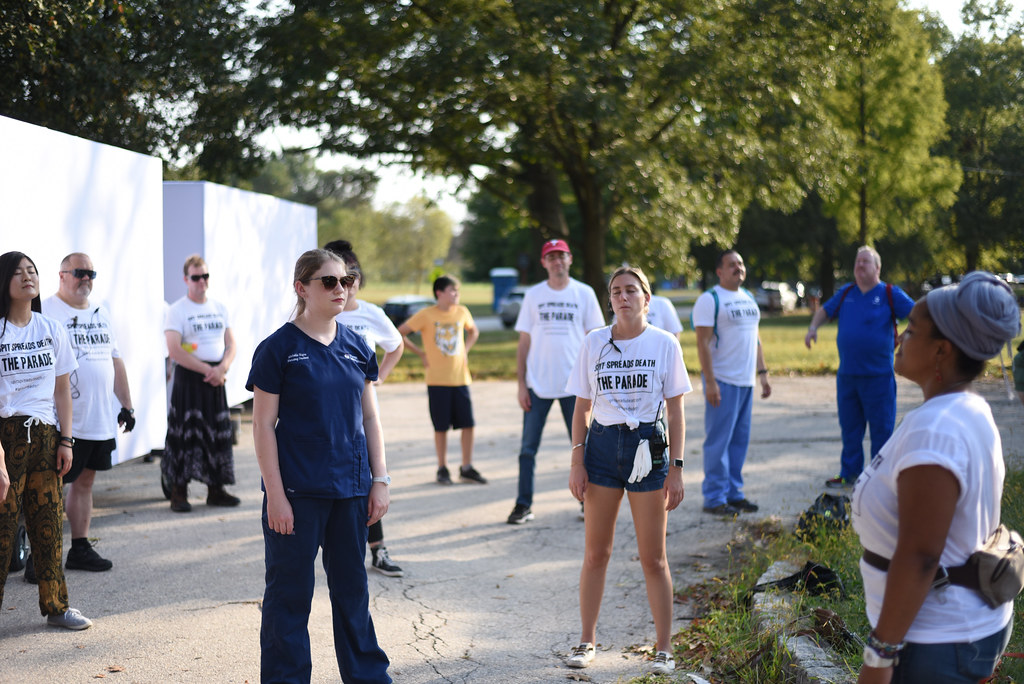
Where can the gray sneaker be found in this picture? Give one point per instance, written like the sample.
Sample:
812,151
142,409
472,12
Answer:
69,619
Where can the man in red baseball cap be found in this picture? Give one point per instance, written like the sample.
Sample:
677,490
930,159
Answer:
554,318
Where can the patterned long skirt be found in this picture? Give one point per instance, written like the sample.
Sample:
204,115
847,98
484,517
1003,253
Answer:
198,444
31,456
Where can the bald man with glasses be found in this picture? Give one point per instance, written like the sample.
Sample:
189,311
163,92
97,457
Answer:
101,373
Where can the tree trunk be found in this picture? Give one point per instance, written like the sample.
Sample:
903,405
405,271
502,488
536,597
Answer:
544,204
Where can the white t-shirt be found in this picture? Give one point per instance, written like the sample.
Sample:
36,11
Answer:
661,313
370,321
31,358
201,326
556,321
954,431
92,386
632,383
734,351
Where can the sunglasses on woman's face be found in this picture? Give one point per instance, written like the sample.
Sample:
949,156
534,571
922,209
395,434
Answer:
330,282
200,276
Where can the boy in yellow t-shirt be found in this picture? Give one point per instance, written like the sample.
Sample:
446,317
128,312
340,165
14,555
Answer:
442,328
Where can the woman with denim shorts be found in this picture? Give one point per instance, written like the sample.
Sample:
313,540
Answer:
626,375
931,496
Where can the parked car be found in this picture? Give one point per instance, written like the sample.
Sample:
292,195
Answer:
400,308
772,296
509,305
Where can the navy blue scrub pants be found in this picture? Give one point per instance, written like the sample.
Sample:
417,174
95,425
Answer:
339,527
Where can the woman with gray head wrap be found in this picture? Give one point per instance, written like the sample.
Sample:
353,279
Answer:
931,496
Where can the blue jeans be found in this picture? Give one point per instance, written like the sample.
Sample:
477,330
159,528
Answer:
863,400
951,663
533,425
339,527
610,454
727,434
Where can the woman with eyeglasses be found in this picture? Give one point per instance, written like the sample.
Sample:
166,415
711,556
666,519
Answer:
320,450
370,321
626,376
199,438
931,496
36,360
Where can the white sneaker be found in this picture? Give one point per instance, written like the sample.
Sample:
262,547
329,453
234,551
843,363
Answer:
69,619
663,663
581,655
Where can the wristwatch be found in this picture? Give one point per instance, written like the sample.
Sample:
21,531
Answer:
677,462
873,659
386,479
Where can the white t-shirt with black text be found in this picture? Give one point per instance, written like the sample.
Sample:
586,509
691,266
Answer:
202,327
31,358
956,432
94,413
370,321
734,351
556,321
631,382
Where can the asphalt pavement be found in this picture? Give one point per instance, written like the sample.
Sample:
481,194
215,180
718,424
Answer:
481,600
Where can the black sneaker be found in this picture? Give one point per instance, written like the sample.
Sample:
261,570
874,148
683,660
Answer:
30,571
382,563
443,477
86,558
469,473
722,509
744,505
520,514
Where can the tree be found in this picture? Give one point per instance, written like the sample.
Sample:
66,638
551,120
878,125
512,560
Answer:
154,77
664,119
983,74
888,103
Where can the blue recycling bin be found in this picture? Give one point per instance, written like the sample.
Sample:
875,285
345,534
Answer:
503,279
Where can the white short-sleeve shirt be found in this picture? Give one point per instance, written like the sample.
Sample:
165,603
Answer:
956,432
31,358
556,321
202,327
632,381
734,351
94,414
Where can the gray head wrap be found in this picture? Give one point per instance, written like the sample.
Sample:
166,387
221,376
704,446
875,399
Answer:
979,315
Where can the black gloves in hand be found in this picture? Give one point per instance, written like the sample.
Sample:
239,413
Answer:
126,418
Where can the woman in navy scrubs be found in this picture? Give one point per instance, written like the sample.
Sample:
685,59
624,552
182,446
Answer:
320,450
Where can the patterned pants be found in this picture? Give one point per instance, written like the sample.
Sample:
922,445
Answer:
32,466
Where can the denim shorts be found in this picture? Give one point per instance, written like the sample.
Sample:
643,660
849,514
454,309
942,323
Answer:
609,456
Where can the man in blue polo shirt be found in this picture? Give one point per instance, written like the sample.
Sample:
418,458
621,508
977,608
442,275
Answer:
867,310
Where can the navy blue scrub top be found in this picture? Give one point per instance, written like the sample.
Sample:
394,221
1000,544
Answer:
321,445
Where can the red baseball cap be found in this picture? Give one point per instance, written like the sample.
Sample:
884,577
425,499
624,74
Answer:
554,246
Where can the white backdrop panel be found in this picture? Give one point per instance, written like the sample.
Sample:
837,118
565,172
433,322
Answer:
64,194
250,243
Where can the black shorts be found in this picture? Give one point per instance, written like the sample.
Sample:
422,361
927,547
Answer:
92,454
450,407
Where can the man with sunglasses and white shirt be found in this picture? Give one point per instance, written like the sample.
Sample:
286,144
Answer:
101,372
201,346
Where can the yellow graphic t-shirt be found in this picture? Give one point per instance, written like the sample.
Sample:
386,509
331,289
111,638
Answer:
443,334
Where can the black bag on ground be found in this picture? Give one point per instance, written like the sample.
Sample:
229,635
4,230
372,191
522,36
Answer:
827,511
814,578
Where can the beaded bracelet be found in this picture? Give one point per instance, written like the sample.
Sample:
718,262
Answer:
886,650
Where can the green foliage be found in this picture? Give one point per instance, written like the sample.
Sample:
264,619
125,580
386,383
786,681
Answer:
984,81
154,77
889,105
664,119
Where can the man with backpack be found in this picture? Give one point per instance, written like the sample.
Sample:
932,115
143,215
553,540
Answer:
725,319
868,310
